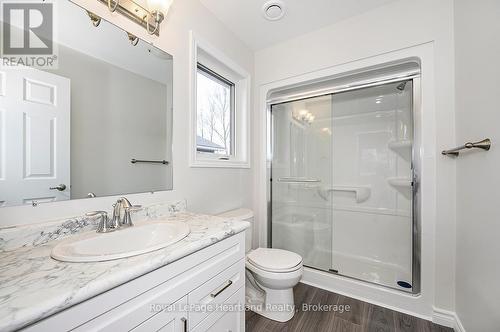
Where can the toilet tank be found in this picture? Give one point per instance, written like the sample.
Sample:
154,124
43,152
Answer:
246,215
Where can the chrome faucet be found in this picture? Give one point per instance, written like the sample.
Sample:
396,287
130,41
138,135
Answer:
123,204
105,225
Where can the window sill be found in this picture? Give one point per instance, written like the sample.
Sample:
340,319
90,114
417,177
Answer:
215,163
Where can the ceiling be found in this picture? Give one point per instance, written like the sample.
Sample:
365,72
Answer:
245,18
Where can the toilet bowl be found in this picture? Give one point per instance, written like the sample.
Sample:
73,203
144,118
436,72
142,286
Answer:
271,275
275,272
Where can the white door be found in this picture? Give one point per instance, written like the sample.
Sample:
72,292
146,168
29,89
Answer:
34,136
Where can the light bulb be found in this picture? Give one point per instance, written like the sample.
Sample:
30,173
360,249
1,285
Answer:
161,6
303,113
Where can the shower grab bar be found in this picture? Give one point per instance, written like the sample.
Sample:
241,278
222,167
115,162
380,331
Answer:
297,180
485,144
362,193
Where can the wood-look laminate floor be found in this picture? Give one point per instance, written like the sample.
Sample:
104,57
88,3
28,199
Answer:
361,317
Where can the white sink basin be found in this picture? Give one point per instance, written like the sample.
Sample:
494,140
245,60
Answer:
131,241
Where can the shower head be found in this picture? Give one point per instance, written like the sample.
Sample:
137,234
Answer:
401,86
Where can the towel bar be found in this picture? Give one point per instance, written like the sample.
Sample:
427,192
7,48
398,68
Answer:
485,144
135,161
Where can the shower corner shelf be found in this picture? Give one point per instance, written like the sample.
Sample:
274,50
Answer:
404,145
400,182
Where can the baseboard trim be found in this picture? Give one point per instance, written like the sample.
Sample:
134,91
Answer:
447,318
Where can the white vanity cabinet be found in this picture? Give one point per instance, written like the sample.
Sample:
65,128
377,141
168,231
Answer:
203,291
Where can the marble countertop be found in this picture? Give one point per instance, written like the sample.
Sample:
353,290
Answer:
34,286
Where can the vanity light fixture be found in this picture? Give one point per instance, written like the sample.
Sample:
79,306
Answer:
158,9
111,7
147,13
304,116
96,20
134,40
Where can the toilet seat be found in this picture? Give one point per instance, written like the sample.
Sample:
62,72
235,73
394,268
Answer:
274,260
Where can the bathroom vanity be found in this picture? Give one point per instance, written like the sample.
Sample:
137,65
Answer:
196,284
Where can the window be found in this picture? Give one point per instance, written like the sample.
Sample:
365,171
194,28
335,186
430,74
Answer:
215,113
219,109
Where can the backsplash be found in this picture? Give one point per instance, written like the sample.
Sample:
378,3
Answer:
35,235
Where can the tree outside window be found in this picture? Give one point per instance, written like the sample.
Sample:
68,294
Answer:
215,106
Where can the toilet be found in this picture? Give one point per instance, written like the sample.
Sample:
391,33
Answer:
271,275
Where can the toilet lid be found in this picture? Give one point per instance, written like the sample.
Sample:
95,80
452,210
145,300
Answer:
274,259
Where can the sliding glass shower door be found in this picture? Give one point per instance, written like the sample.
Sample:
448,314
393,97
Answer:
301,170
342,186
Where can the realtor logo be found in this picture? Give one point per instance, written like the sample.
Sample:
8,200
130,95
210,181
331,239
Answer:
28,33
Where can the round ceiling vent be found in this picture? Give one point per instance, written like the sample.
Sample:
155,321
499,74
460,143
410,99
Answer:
273,10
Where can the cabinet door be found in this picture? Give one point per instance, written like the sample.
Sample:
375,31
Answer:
227,323
172,319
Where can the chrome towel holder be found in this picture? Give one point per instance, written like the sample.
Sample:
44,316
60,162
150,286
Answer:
485,145
135,161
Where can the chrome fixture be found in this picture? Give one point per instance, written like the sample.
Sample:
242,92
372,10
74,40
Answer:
126,220
149,16
401,86
485,145
135,161
226,286
337,88
61,187
133,39
103,225
297,180
91,195
304,116
96,20
158,18
111,7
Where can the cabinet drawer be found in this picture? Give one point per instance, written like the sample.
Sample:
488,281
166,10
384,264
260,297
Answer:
205,299
226,321
172,319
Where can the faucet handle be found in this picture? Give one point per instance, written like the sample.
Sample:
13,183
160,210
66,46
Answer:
127,219
102,226
124,202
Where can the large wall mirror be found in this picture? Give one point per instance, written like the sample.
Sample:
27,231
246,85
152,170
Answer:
99,124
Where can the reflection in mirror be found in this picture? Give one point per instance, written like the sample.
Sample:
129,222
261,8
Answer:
72,131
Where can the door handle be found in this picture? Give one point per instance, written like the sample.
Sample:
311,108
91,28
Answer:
61,187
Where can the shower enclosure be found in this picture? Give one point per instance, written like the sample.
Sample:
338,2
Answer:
343,176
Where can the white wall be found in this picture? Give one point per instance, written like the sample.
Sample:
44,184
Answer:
478,228
396,26
207,190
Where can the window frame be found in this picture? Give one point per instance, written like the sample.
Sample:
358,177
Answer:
224,67
213,75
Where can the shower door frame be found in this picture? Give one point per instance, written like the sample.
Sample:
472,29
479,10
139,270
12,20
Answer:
415,163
